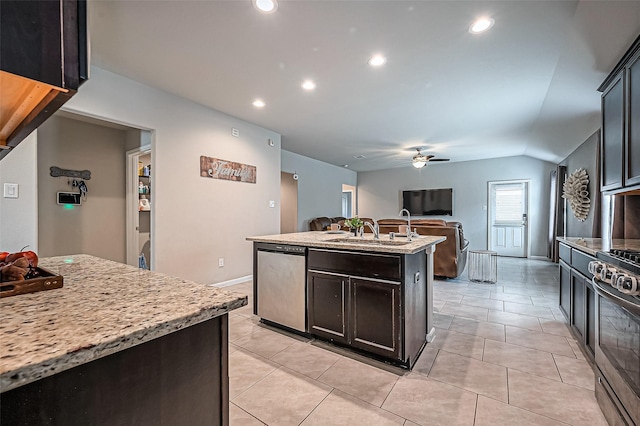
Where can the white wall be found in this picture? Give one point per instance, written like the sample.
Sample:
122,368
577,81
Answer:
195,220
19,216
319,186
379,193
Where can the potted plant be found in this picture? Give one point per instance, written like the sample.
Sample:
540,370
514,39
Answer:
354,224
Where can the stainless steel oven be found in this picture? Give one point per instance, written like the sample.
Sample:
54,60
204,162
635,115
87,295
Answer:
616,279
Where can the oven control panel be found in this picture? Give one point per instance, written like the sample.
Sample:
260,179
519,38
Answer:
617,278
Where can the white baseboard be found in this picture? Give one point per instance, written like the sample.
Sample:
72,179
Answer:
540,258
233,281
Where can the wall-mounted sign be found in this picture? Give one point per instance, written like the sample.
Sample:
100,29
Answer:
221,169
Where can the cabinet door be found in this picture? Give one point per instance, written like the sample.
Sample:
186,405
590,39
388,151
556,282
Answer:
327,305
44,41
613,134
578,303
374,317
632,153
590,332
565,289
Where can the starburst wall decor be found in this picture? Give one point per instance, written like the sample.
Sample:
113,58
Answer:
576,191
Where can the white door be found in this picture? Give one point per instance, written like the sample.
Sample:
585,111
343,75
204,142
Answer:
508,218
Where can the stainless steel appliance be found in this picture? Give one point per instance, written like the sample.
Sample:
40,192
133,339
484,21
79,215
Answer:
280,284
616,279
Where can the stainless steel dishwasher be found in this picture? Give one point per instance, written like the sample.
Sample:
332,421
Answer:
281,284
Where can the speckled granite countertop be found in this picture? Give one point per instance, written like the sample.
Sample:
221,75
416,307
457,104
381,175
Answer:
323,239
103,308
593,245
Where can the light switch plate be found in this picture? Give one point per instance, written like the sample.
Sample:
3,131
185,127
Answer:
10,190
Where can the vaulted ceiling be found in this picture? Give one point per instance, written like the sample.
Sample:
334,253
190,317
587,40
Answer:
525,87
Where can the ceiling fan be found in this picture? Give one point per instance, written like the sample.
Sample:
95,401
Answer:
420,160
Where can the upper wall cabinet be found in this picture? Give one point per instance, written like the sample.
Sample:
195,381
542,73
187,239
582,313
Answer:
43,51
620,154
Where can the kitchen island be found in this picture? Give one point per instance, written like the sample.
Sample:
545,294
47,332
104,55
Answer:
115,345
372,296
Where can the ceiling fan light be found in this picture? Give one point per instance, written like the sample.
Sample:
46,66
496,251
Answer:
419,161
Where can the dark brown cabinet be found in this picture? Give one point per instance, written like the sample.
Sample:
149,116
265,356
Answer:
620,153
327,296
578,311
613,134
565,289
577,296
375,316
43,46
632,159
376,303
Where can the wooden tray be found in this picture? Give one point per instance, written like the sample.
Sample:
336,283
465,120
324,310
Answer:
46,281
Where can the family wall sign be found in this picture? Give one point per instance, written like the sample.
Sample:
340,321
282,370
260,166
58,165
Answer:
216,168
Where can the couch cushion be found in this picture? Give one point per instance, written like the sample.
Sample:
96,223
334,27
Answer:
429,222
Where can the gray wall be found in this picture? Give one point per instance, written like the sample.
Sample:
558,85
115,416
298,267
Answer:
319,186
584,157
96,227
379,193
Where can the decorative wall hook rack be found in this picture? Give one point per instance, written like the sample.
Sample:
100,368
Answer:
82,174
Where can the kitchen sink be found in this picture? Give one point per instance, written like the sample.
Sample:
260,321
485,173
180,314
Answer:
368,242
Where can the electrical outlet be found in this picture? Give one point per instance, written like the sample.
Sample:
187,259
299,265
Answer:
235,132
272,203
10,190
220,262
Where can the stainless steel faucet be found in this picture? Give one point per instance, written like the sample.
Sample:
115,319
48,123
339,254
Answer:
410,233
375,228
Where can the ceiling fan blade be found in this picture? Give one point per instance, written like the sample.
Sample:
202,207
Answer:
429,157
439,159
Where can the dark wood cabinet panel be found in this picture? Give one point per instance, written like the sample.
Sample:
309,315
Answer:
370,265
565,289
327,301
578,299
632,160
375,316
178,379
565,253
578,304
613,134
590,332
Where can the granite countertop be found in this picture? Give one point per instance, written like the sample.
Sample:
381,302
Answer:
323,239
103,308
593,245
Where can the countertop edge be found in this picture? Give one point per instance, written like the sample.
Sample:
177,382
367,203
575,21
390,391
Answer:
31,373
417,245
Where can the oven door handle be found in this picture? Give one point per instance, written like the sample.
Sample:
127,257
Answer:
601,290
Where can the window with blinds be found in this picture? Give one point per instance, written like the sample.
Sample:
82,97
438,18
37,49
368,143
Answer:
509,199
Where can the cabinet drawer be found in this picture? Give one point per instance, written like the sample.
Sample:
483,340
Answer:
386,267
580,262
565,253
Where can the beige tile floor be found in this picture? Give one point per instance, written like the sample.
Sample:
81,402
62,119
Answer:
503,355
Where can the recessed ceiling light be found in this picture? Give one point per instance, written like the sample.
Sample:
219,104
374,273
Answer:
308,85
345,165
377,60
481,25
265,6
258,103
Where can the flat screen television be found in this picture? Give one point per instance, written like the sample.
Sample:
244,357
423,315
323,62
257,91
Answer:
428,202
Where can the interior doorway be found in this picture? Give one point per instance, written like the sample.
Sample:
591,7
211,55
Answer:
508,218
348,200
288,203
139,203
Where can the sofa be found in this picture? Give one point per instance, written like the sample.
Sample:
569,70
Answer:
450,257
323,223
